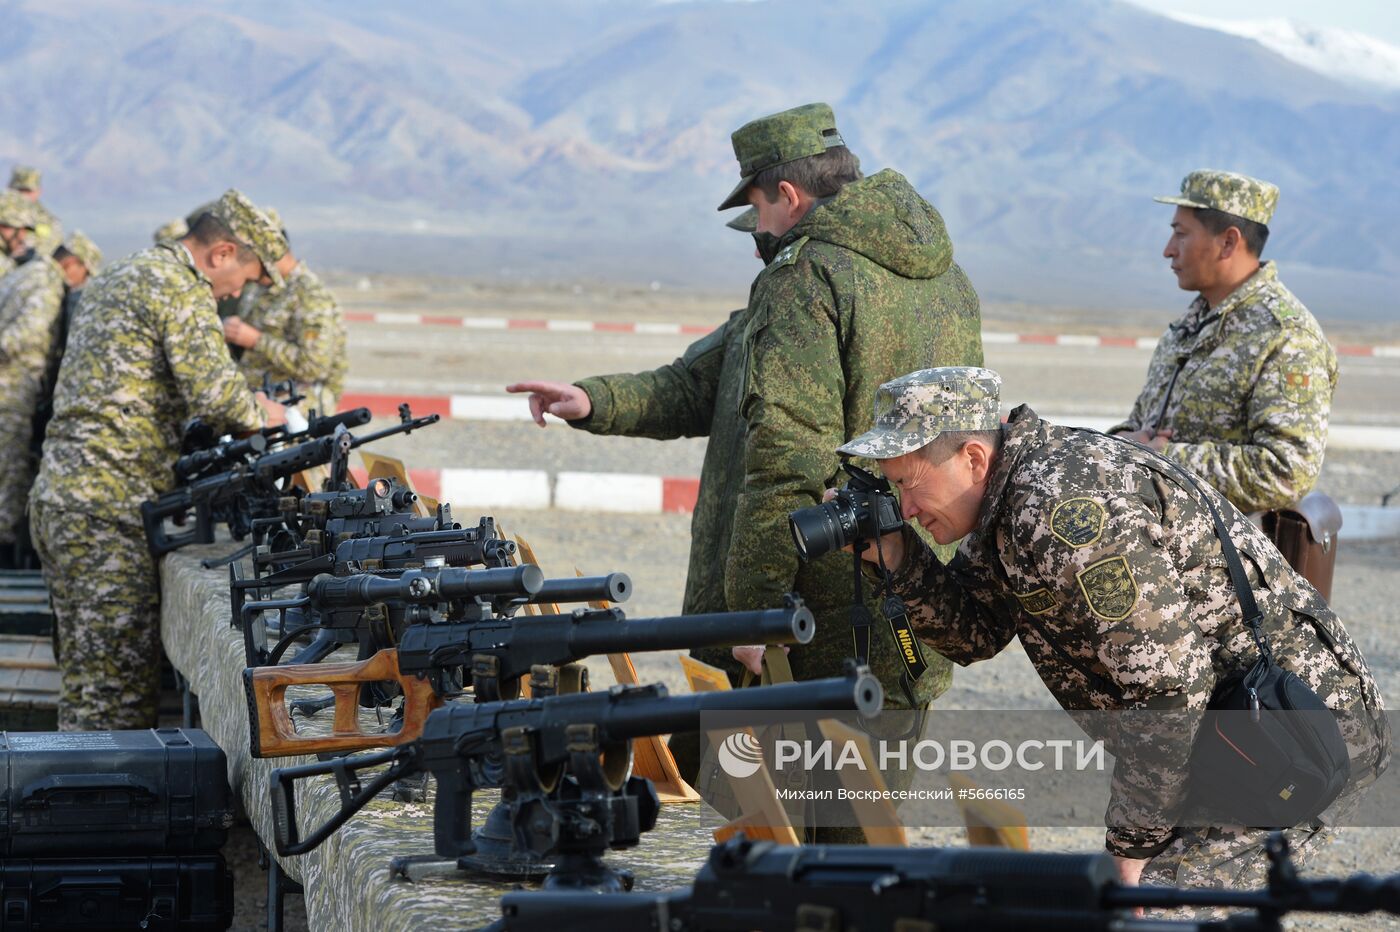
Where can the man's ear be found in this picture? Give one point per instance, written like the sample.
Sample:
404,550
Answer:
979,460
1230,242
221,253
790,196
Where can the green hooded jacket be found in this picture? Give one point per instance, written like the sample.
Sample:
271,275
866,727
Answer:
862,290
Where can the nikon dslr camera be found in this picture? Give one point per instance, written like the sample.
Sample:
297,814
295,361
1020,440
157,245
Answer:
865,509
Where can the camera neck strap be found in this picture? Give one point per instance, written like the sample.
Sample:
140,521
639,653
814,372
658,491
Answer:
892,607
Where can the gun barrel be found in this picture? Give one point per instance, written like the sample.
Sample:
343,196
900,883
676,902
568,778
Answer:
600,635
637,712
326,425
416,586
614,587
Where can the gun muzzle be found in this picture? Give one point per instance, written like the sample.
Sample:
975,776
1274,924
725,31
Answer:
325,426
614,587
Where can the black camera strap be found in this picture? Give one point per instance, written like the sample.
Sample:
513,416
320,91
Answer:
892,607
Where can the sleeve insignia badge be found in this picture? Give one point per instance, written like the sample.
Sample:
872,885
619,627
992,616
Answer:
1078,521
1109,588
1038,602
1297,384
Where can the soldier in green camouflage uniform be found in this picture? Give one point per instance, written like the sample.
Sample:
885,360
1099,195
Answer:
48,231
31,301
145,353
1103,559
861,287
295,331
16,222
1239,389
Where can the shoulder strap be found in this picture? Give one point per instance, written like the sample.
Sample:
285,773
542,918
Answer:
1244,592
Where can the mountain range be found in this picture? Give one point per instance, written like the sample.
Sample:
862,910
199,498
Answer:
589,139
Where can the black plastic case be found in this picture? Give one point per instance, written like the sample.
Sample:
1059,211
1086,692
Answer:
190,894
158,791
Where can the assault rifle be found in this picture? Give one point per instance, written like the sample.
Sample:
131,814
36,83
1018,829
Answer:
749,885
563,764
433,661
218,456
253,489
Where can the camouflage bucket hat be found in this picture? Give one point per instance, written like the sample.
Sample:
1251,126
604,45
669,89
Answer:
85,249
254,229
24,178
746,222
16,210
912,410
1238,195
778,139
175,229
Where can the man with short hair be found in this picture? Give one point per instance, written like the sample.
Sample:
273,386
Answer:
145,353
294,331
31,303
1239,389
1103,558
48,231
860,285
16,222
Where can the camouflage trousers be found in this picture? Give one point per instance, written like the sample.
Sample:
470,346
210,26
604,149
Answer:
106,600
17,475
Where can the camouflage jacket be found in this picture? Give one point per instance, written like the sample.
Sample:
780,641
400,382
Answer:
7,264
303,338
30,302
48,231
1247,389
863,289
1104,561
145,354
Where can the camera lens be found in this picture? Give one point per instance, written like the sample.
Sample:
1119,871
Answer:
819,530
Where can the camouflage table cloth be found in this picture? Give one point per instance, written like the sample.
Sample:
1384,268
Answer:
347,880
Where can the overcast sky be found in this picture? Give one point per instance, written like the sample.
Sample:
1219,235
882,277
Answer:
1379,18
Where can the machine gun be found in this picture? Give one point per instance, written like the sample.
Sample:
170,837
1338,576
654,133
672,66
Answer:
434,660
201,458
253,489
563,764
313,525
759,885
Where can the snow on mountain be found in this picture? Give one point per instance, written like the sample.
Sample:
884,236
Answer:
1343,54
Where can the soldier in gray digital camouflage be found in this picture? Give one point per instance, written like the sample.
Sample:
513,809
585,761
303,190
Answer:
858,285
31,303
1239,389
1103,559
48,231
145,354
292,332
16,223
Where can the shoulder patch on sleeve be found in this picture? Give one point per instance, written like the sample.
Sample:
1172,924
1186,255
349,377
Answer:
1109,588
1078,521
1038,602
1297,384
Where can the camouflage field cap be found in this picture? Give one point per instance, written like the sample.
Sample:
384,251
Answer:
275,217
254,228
780,138
16,210
175,229
85,249
912,410
746,222
1227,192
24,178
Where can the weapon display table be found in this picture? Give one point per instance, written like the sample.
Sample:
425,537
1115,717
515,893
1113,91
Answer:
347,880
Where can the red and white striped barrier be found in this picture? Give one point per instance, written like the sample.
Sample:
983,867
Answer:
665,328
472,491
